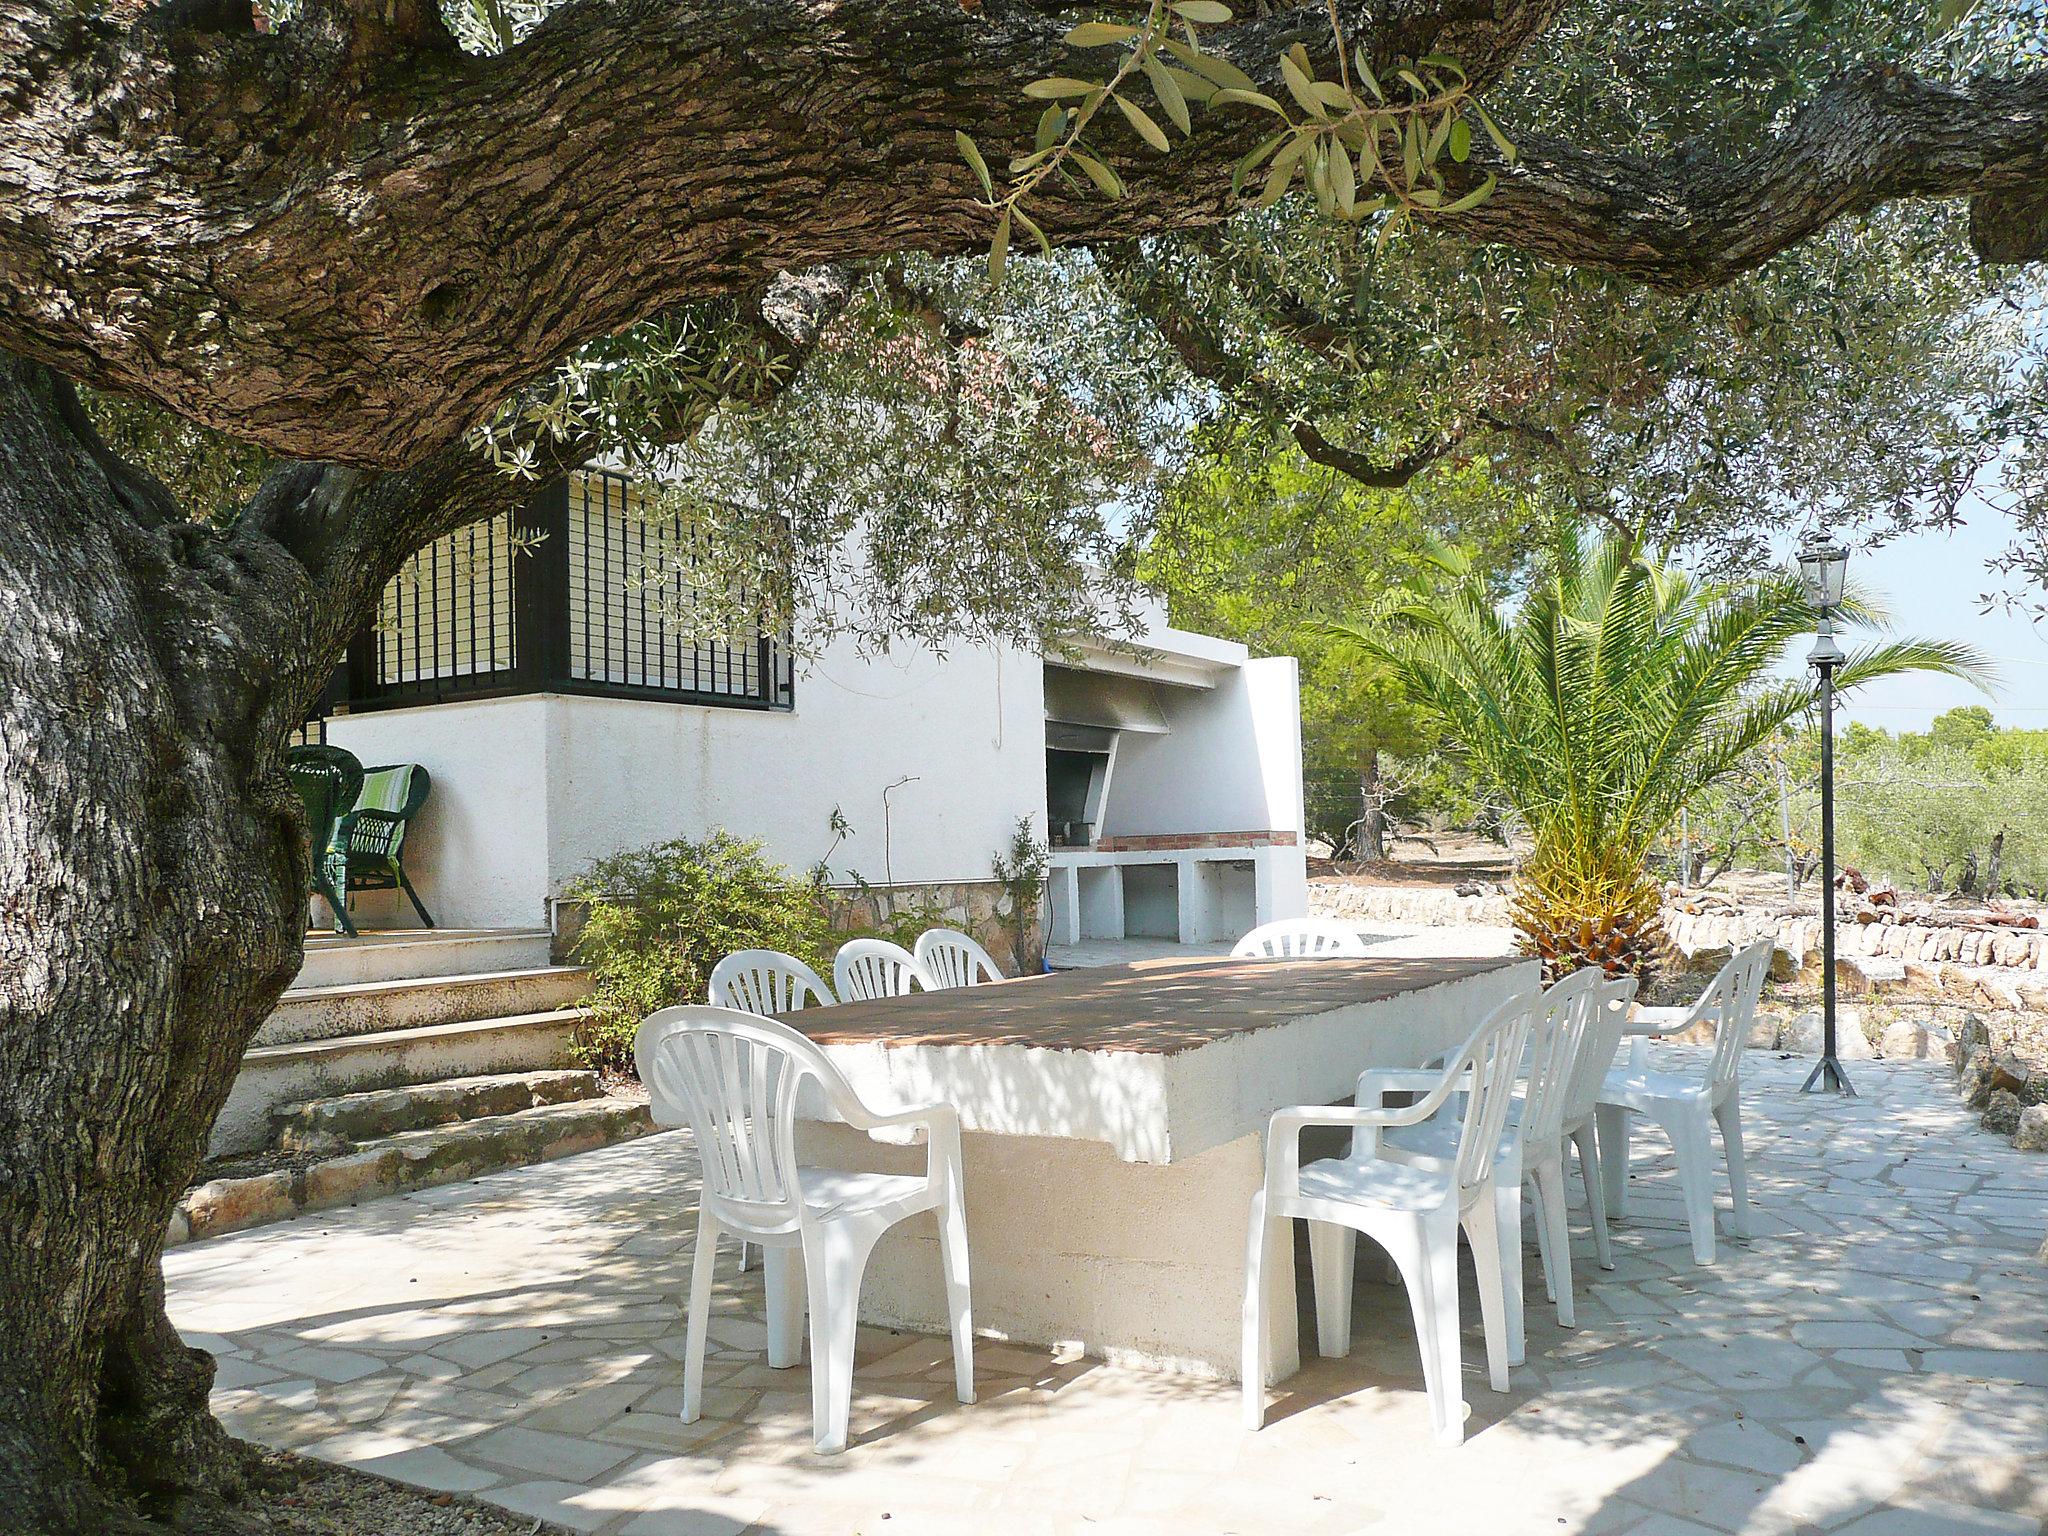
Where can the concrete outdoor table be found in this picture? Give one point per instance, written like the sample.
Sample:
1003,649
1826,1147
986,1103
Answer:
1114,1123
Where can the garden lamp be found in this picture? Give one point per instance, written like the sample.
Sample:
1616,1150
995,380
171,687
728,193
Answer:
1822,565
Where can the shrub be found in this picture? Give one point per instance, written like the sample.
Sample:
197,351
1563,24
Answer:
660,918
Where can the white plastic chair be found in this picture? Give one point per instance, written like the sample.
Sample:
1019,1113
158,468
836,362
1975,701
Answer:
1684,1105
1412,1209
1528,1146
1298,938
733,1078
870,968
766,981
951,958
1589,1072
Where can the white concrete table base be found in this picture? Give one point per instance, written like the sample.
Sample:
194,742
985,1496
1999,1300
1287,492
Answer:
1115,1133
1874,1362
1135,1263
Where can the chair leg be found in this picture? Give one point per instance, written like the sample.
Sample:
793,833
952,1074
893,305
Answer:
1432,1271
746,1261
1728,1114
1612,1123
1596,1193
1689,1140
1550,1180
1483,1232
1507,1216
959,1293
414,897
1332,1250
835,1256
1260,1242
783,1273
701,1273
1543,1254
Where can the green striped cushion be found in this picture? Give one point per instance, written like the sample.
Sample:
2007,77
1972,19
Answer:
386,790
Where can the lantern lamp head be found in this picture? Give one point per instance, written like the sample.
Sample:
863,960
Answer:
1822,565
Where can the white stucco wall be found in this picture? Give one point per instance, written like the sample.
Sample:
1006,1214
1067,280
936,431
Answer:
528,791
1230,760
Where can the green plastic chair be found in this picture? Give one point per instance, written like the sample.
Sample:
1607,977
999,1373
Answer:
328,780
372,836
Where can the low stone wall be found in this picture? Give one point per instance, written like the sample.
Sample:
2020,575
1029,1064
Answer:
972,906
2018,949
1425,906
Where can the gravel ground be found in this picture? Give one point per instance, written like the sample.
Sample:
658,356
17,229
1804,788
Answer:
301,1497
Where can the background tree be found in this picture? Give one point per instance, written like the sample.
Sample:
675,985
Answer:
1258,543
1618,692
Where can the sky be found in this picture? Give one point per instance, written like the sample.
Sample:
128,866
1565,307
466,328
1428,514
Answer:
1930,581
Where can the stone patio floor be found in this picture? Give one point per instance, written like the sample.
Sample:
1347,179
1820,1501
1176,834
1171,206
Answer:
1874,1360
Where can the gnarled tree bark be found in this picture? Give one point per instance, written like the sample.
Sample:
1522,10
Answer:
346,241
152,887
152,873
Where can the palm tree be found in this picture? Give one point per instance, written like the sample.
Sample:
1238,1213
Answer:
1618,691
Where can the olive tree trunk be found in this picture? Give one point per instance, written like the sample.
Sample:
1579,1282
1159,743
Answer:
152,907
150,870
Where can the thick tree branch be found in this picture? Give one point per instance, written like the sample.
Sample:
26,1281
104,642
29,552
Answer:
353,260
1374,474
355,268
1699,219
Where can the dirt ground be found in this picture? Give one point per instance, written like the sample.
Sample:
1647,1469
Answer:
1454,858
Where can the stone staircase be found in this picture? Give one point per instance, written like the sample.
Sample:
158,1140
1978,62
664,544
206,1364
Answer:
403,1007
401,1059
340,1150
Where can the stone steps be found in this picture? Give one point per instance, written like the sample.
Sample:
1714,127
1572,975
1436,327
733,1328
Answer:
321,1125
365,1145
335,960
307,1069
411,1002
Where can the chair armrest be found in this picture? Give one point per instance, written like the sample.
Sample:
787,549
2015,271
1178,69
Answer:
1657,1021
1283,1133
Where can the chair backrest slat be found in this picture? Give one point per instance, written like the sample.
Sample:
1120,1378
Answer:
1298,938
1556,1038
733,1078
953,959
870,968
1494,1057
1597,1048
766,981
1730,1001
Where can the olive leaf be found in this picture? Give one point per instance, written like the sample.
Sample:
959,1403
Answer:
1141,121
979,166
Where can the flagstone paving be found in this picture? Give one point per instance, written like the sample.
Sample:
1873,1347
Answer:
1874,1360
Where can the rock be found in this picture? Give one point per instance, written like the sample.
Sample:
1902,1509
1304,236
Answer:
1859,975
2002,993
1788,959
1801,1034
2002,1114
1852,1042
1763,1033
2034,994
1924,975
1907,1041
2032,1134
1974,1082
1974,1036
1708,959
223,1205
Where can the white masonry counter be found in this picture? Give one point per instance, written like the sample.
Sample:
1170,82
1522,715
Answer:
1114,1125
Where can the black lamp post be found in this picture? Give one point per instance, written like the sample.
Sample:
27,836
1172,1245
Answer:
1821,568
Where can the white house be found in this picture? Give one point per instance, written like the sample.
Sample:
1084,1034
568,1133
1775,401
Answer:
563,718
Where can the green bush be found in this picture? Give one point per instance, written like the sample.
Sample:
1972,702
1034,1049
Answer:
660,918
